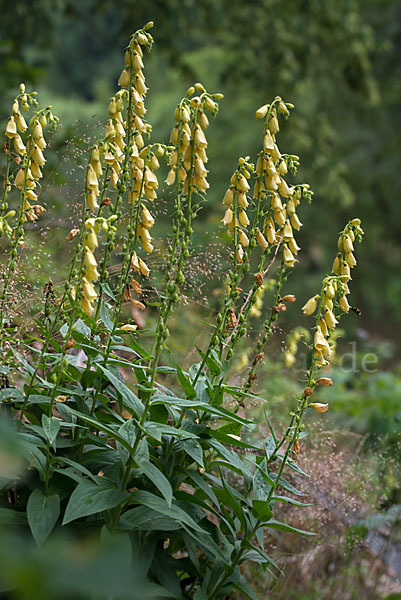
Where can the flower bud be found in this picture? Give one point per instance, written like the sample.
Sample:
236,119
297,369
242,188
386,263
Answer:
295,222
268,142
349,258
124,79
287,231
143,268
228,217
228,197
128,327
289,298
86,306
261,240
319,341
273,125
21,124
91,241
345,243
330,319
323,326
90,261
336,265
243,218
329,291
289,259
11,129
20,179
147,219
325,381
262,111
209,104
170,177
344,304
88,290
19,145
271,233
310,307
319,406
243,238
283,109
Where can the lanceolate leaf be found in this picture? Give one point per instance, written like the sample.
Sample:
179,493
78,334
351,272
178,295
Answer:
160,505
131,400
42,513
290,501
51,427
89,498
157,478
283,527
186,384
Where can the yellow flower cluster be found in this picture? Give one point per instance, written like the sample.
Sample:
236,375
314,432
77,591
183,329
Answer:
334,293
146,184
90,274
235,198
113,149
188,159
345,259
30,173
92,182
271,169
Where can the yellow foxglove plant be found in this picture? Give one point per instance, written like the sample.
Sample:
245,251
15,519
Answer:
116,446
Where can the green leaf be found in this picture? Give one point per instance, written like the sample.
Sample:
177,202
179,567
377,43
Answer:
233,459
42,513
160,505
107,290
23,362
263,554
290,501
196,405
139,350
261,509
186,384
285,485
234,504
34,456
74,465
193,449
157,430
131,401
262,482
146,519
128,431
82,330
200,483
51,427
270,446
12,517
228,440
213,365
244,587
105,318
100,426
156,477
11,393
89,498
34,399
273,524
